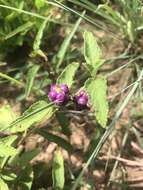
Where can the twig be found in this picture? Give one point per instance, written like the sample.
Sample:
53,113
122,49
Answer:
123,160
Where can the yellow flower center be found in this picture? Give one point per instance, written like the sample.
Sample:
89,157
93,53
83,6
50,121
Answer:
58,89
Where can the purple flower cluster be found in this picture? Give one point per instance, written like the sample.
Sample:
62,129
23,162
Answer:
59,94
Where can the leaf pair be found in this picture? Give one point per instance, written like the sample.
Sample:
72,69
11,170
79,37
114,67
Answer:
96,87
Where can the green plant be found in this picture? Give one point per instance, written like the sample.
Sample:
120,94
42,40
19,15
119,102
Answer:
96,88
78,78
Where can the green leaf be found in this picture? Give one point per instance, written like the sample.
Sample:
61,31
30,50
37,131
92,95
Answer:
92,53
39,3
58,171
8,176
36,113
56,139
6,150
97,89
8,140
30,79
6,116
67,76
3,185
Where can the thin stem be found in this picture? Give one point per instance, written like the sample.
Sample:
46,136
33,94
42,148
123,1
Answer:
123,66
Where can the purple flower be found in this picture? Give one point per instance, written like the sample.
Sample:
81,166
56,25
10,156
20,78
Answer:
81,98
53,87
59,93
52,95
60,98
64,87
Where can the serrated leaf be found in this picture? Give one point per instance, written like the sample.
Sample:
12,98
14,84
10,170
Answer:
67,76
6,116
58,171
36,113
92,53
30,79
97,90
3,185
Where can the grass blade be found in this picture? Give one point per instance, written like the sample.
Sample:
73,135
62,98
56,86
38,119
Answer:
66,42
11,79
22,28
30,79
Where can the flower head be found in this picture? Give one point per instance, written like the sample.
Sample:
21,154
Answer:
59,93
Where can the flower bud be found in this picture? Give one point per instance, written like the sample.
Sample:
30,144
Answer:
82,101
81,98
